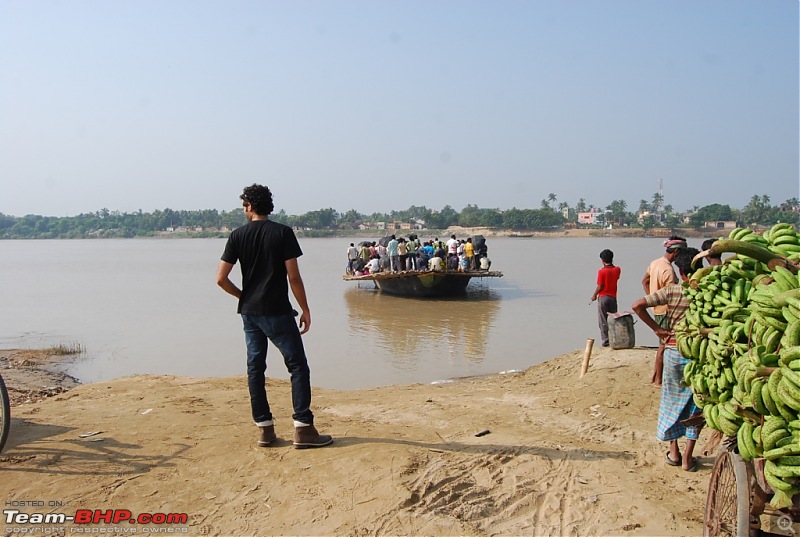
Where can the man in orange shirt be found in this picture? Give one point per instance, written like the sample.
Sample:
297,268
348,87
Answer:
660,274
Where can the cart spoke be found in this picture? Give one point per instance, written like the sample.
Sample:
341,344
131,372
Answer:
722,516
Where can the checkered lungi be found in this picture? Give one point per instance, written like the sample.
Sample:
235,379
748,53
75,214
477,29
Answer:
676,400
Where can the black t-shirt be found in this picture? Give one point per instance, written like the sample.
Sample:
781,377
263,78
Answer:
262,248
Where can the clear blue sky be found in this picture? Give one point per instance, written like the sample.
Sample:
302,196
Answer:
379,105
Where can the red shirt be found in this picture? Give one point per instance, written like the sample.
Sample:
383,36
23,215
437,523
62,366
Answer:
607,277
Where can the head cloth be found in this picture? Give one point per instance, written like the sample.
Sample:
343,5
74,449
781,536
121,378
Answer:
674,244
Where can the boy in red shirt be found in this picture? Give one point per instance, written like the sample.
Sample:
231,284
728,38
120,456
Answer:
606,292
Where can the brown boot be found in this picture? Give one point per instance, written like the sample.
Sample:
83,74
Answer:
308,437
267,435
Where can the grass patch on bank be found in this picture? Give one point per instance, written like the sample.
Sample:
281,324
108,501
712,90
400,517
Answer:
66,349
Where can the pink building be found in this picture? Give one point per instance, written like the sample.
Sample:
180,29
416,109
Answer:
589,217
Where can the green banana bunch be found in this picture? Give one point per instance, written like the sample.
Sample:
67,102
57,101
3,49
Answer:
783,240
741,334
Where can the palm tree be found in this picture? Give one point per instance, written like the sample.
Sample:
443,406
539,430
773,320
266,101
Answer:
658,200
551,198
617,209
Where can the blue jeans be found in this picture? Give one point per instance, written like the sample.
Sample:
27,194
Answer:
282,331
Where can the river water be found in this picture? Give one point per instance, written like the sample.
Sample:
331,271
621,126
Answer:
151,306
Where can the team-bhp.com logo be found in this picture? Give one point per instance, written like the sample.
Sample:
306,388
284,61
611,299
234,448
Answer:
95,516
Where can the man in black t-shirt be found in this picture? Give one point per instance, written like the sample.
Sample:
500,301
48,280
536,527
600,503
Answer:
267,253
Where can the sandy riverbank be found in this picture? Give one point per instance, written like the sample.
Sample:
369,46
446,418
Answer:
563,456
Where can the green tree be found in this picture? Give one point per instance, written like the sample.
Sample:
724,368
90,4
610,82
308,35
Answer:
649,222
658,201
710,213
443,219
618,211
789,211
514,219
756,211
492,218
672,222
469,216
351,219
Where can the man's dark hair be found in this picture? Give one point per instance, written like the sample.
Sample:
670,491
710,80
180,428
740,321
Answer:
607,256
260,199
708,244
683,260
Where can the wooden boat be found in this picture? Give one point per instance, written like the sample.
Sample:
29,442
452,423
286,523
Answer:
424,283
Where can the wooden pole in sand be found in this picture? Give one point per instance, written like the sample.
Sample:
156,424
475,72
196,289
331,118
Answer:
586,355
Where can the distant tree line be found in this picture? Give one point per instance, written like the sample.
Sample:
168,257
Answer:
550,215
114,224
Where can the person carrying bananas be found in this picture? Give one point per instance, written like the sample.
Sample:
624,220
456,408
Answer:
660,274
677,403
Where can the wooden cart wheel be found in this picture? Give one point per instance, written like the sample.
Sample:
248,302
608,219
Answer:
728,500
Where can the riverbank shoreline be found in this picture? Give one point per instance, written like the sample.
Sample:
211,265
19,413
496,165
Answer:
584,233
460,231
31,375
541,451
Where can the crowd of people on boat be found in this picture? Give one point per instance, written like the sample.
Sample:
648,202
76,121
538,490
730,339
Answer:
400,254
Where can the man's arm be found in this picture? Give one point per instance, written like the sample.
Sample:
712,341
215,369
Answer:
224,281
646,282
599,285
597,291
640,307
299,292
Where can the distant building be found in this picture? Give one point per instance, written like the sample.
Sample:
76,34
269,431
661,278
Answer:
721,224
658,217
417,224
590,217
372,225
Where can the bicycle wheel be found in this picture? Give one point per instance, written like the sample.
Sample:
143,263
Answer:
5,414
728,502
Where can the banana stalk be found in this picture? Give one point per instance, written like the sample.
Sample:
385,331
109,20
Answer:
749,249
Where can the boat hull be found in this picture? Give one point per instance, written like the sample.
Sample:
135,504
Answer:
424,284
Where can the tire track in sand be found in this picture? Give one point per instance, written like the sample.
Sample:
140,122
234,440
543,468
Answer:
454,490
